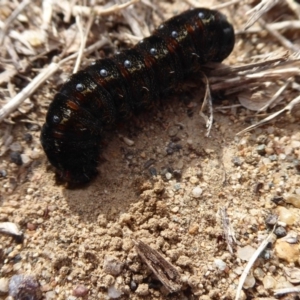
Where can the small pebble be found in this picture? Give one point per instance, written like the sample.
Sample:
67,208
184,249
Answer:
127,141
33,127
112,265
296,163
194,180
284,285
173,130
25,159
3,173
28,137
35,154
245,253
194,228
168,176
280,231
31,226
3,286
291,237
286,251
15,157
273,157
277,200
177,186
262,139
152,171
24,287
113,293
51,295
261,149
175,209
142,290
133,285
177,174
173,147
286,215
271,220
292,199
15,147
220,264
269,282
197,192
249,282
237,161
295,144
259,273
80,291
293,274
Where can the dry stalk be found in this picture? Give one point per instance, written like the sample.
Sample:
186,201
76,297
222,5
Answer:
164,270
40,79
207,101
257,11
83,36
227,229
99,10
11,18
250,263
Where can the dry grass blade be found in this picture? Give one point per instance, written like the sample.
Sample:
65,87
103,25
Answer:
275,97
251,262
86,11
235,79
27,91
11,18
207,101
247,79
294,6
226,4
40,79
294,289
285,42
227,229
83,36
284,25
164,271
288,107
259,10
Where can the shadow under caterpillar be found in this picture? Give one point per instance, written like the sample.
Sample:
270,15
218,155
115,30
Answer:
114,88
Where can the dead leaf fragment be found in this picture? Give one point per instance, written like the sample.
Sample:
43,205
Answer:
164,270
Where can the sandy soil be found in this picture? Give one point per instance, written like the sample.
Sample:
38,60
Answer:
146,191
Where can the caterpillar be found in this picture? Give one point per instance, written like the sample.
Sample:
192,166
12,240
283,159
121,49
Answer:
114,88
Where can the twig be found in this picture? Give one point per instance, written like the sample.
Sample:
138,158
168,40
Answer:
83,38
12,17
28,90
294,6
275,96
164,270
285,42
226,4
227,229
288,107
294,289
251,262
86,11
284,25
259,10
207,100
39,79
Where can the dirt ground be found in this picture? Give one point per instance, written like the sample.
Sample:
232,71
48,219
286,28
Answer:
161,181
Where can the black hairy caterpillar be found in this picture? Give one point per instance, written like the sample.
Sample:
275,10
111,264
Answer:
113,88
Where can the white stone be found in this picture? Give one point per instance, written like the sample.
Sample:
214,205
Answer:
197,192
